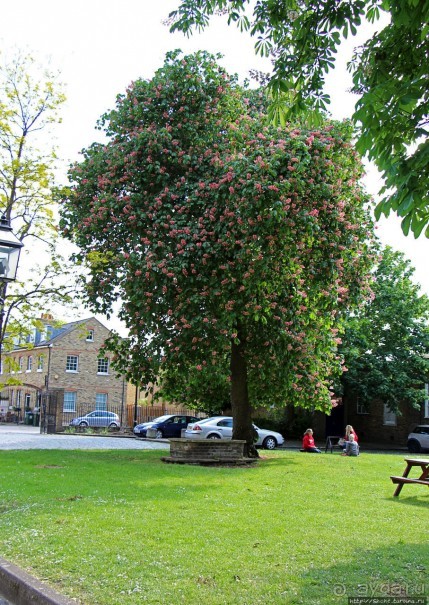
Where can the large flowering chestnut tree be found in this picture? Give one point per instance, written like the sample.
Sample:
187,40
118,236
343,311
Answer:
233,245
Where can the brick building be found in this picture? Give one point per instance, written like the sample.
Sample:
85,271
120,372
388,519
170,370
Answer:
64,358
375,423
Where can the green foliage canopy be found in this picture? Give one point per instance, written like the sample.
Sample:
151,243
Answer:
390,74
217,229
386,342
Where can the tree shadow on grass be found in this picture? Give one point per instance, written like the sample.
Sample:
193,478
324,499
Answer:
277,460
399,570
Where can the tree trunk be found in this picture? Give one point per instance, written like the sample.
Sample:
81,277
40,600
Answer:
241,408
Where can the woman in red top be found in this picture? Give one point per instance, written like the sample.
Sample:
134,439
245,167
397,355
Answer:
350,431
308,444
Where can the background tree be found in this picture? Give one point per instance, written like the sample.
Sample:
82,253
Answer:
390,75
29,106
386,342
208,390
233,244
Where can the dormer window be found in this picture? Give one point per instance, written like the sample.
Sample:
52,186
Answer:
90,336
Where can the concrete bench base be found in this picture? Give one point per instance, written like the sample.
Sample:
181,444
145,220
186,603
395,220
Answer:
22,589
208,452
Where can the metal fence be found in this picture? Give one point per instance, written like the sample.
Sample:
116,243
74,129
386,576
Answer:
128,415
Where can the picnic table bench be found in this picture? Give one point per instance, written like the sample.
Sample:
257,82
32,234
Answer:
422,480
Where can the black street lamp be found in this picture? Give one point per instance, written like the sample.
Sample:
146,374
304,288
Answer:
10,249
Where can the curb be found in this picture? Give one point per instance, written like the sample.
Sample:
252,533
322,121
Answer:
22,589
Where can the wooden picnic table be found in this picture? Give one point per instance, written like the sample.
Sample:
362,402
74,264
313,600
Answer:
423,463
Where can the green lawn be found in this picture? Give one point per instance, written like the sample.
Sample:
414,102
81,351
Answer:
121,527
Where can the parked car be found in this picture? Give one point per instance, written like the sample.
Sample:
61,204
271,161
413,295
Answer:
98,418
170,425
418,439
220,427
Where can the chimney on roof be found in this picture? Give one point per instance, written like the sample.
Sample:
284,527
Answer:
46,317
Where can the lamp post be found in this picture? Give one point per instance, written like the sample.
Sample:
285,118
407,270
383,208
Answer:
10,249
136,400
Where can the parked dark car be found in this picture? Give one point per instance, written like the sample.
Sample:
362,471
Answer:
98,418
170,425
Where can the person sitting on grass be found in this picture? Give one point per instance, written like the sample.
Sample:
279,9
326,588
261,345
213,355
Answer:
350,431
352,447
308,444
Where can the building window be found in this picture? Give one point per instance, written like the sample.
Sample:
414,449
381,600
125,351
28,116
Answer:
29,363
72,363
27,400
20,364
426,400
101,401
90,336
69,401
361,408
40,361
103,366
389,417
18,399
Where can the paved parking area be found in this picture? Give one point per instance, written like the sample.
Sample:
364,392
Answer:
24,437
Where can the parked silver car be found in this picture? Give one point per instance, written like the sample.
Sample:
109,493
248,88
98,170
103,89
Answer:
418,439
220,427
98,419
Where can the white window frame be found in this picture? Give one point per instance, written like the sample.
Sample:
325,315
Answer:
40,363
103,366
29,363
361,408
90,336
27,400
69,363
101,402
389,417
69,404
20,363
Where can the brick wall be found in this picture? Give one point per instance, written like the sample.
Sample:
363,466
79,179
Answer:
86,382
371,427
206,449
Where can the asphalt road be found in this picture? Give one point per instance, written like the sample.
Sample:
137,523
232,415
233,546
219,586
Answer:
25,437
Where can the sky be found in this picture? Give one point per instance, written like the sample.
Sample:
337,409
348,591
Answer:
100,46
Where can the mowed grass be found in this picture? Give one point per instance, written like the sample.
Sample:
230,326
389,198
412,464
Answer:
121,527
